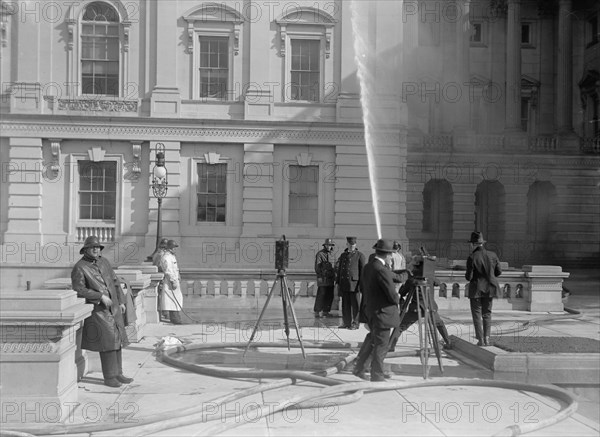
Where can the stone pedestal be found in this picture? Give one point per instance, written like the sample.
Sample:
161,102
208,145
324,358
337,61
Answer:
149,298
139,283
82,361
37,365
545,287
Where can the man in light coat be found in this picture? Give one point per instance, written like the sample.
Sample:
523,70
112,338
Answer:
172,298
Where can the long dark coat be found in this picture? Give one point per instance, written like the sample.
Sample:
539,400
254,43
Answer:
104,329
483,267
349,269
381,306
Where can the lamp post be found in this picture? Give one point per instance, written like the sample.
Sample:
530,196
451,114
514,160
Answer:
159,189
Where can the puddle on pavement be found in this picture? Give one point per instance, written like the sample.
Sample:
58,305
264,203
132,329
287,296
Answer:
264,358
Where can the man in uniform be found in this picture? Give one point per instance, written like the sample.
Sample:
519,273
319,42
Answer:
349,271
324,268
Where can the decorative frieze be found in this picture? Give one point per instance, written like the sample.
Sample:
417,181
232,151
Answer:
144,133
98,105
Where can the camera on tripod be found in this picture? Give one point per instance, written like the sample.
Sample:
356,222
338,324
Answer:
282,254
423,265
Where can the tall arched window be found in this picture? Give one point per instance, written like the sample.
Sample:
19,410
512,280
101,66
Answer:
540,207
438,211
100,46
490,212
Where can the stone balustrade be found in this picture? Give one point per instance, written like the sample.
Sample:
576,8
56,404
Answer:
38,344
532,288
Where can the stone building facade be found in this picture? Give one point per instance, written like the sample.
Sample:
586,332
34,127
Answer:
477,115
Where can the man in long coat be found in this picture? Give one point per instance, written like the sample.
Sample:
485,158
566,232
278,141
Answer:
172,298
381,307
349,269
104,330
483,266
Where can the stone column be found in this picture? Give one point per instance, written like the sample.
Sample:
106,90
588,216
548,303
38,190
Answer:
166,99
463,59
258,191
25,173
513,66
564,65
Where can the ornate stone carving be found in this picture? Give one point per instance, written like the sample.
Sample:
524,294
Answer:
98,105
55,151
28,348
136,147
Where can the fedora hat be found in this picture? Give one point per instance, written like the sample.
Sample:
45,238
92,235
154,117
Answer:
476,238
384,245
91,241
171,244
351,240
328,242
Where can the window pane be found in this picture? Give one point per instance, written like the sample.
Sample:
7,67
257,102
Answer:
212,192
213,69
97,190
303,196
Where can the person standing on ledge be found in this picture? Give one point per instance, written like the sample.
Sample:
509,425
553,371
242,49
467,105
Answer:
324,268
483,267
349,269
172,298
104,330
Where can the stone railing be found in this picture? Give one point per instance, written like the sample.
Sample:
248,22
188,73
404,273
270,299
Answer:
590,145
532,288
103,232
543,144
38,347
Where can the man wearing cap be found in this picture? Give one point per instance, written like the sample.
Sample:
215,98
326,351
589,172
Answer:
172,299
349,269
324,268
483,267
104,330
381,308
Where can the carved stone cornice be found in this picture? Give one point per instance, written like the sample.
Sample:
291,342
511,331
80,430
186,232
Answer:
97,130
98,105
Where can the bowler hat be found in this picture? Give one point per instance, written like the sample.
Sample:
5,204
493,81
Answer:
351,240
384,245
328,242
476,238
171,244
91,241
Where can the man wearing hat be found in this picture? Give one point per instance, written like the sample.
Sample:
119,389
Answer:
324,268
483,267
104,330
172,298
349,270
381,308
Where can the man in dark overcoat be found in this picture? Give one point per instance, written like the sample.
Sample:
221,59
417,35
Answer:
325,270
104,330
349,269
483,266
381,307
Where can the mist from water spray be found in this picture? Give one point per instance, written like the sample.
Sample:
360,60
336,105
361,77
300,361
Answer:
362,54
